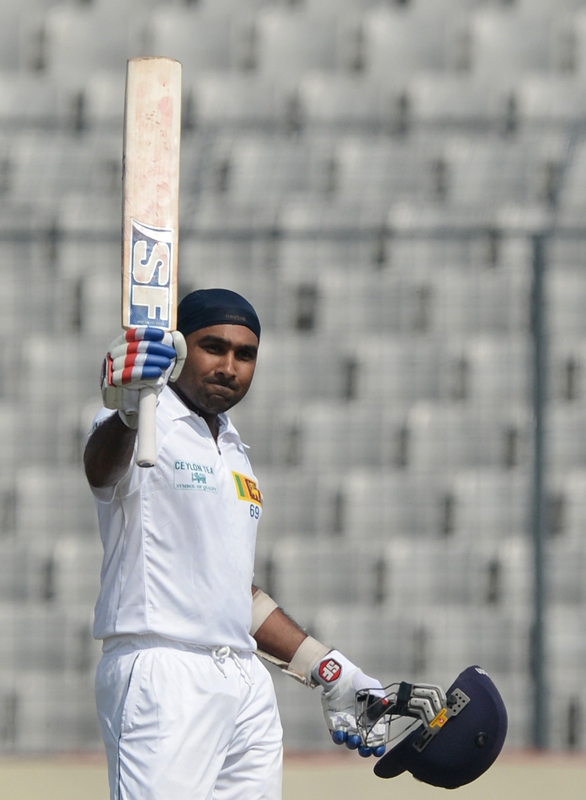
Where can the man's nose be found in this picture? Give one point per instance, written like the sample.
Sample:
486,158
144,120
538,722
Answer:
227,364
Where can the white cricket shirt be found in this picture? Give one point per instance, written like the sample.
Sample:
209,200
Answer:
179,538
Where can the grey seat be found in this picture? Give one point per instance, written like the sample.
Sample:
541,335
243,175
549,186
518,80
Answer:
72,50
398,42
201,38
451,437
289,42
508,41
304,578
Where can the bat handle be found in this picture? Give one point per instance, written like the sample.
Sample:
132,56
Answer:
146,455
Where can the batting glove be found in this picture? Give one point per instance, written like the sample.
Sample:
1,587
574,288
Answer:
140,358
341,679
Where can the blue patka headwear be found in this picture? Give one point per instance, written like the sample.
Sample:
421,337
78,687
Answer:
206,307
464,748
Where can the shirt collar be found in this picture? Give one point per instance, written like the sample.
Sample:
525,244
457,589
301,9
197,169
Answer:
177,409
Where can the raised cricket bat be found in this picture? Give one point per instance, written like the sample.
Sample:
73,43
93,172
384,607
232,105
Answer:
150,217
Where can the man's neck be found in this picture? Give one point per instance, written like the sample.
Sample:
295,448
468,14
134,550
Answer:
212,420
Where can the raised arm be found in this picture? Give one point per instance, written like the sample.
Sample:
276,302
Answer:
108,452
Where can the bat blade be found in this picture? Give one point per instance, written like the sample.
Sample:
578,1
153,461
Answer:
150,225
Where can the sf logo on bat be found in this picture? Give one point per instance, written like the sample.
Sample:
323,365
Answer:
151,289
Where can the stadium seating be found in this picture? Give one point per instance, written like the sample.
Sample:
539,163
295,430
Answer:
372,177
550,100
489,505
440,100
72,50
344,102
511,41
288,42
448,436
386,170
237,101
32,100
200,38
397,42
303,578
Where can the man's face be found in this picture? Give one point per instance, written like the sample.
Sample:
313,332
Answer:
219,367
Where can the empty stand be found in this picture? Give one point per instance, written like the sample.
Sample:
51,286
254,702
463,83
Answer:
447,100
237,101
549,6
334,304
550,99
20,38
397,42
305,577
496,370
11,430
569,505
509,41
298,367
63,504
345,102
566,441
289,502
289,42
72,50
575,40
486,170
326,435
567,287
37,636
370,176
489,505
32,100
387,645
101,106
337,235
567,369
385,170
452,301
374,506
573,194
478,575
395,371
429,234
46,166
50,713
246,168
14,563
566,564
451,437
75,564
200,38
52,432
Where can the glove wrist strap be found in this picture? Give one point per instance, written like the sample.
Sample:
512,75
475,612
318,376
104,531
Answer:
309,652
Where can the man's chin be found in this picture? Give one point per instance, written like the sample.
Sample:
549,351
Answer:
219,404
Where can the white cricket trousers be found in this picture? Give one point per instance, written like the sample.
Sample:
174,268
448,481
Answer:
187,723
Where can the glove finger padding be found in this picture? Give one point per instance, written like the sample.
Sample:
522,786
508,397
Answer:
341,680
140,358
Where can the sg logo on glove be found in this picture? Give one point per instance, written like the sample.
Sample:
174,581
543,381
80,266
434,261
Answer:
330,670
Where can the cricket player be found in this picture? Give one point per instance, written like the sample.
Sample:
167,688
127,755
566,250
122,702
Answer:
187,709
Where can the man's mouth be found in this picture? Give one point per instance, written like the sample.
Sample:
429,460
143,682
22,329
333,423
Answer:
221,389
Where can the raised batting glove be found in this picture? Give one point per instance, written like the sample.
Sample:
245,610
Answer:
139,358
341,680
